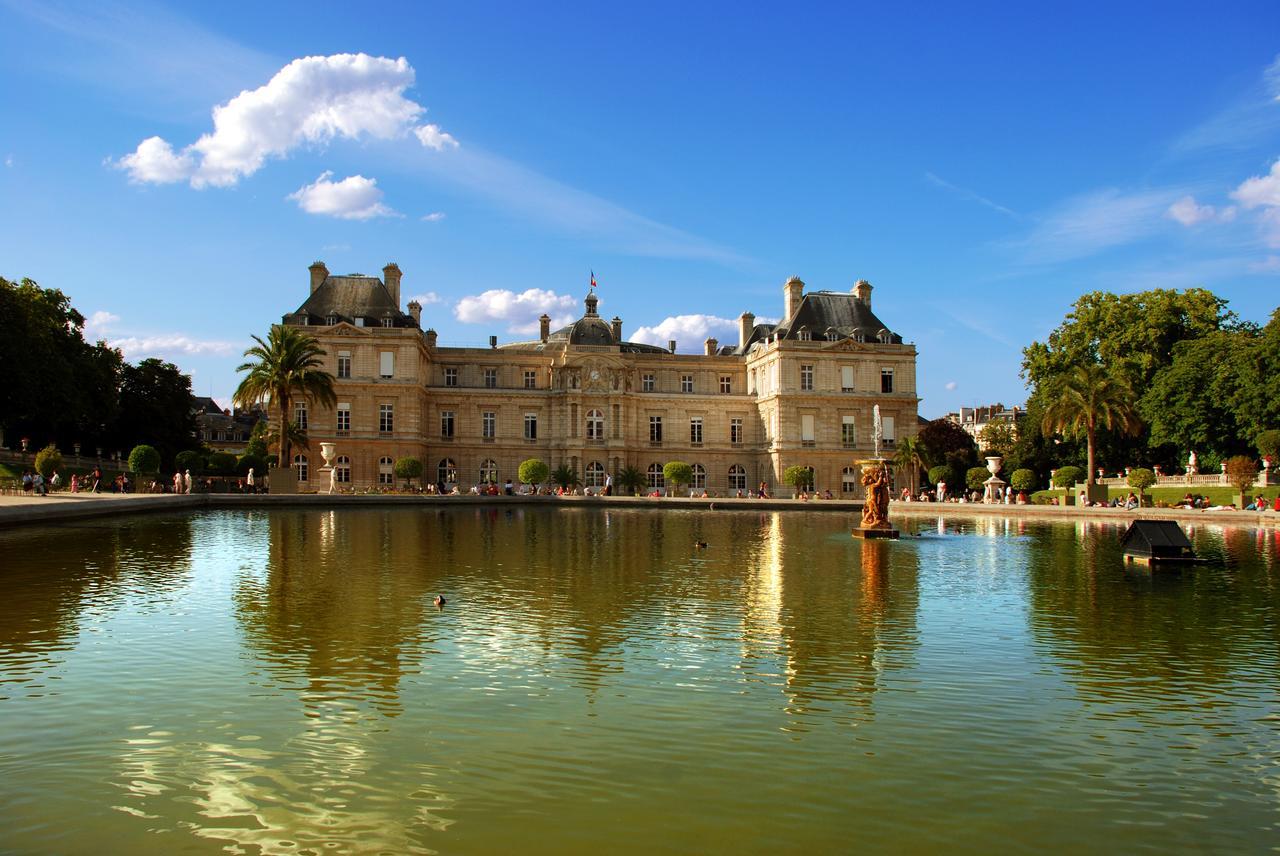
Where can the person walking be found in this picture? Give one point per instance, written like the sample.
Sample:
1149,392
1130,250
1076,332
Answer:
252,487
186,482
97,479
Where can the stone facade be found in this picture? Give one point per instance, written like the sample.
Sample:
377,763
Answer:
799,392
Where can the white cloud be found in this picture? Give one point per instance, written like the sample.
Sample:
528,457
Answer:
950,385
1188,213
97,323
433,217
1260,190
310,100
433,138
689,331
353,198
1097,221
426,299
519,311
170,344
8,160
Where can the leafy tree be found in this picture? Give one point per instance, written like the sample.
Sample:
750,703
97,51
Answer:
257,445
564,476
910,458
297,437
250,462
408,469
940,473
944,439
1188,404
533,471
800,478
998,438
975,477
1087,399
290,363
222,464
1067,477
677,473
48,460
1141,478
156,406
629,480
189,460
144,460
1023,479
1268,444
1241,471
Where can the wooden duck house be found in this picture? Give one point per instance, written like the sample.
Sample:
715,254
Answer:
1154,542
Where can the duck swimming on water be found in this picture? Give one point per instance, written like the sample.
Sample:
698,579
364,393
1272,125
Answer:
439,601
701,545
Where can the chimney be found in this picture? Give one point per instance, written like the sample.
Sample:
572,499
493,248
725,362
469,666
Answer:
391,277
862,291
318,274
431,338
415,310
711,345
544,326
793,290
746,324
493,341
671,345
616,324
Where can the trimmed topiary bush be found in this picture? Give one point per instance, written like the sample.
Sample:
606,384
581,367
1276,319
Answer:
408,469
800,478
1023,479
48,460
533,471
222,464
1141,478
975,477
189,460
677,473
144,459
1067,477
940,473
251,462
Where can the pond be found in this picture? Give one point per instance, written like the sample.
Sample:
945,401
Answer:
282,682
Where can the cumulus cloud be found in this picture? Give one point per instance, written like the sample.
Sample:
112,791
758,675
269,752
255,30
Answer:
1188,213
353,198
426,299
135,347
1263,191
311,100
432,137
689,331
98,322
519,311
950,385
433,217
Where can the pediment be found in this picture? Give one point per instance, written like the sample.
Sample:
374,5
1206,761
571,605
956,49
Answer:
344,328
848,346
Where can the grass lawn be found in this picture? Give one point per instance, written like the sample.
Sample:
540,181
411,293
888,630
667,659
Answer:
8,472
1216,494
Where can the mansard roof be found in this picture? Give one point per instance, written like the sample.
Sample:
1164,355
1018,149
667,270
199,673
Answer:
823,312
348,298
591,330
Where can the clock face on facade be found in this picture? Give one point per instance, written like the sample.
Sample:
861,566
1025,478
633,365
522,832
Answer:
595,374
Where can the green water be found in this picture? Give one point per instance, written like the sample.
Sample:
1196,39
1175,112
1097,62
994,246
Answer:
282,683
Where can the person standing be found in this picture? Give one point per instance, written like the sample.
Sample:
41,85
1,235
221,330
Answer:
608,484
252,487
942,491
177,482
186,482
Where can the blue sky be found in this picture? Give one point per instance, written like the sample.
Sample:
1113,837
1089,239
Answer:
981,166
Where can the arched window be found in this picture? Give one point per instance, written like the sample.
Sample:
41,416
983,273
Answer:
699,477
885,337
300,461
848,480
447,472
595,474
489,470
386,471
654,474
737,478
595,425
342,469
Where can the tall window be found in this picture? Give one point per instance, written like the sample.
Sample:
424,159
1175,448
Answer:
450,376
530,379
807,429
446,472
655,477
695,430
646,383
655,429
386,418
531,426
737,478
344,417
848,432
344,364
446,424
806,377
300,414
488,424
342,470
846,378
488,470
886,380
848,480
735,430
386,471
888,434
386,363
491,378
726,384
595,425
686,383
595,474
699,477
300,461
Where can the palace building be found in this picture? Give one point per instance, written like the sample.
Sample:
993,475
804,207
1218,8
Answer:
799,392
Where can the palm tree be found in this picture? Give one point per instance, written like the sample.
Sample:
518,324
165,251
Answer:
290,362
1089,399
910,457
629,480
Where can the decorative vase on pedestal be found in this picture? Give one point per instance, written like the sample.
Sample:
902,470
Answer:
992,486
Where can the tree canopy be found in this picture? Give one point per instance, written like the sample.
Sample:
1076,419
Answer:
289,363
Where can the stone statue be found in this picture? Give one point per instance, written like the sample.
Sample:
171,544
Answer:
1192,467
875,511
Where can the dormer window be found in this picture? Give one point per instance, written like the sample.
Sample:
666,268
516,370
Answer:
387,321
359,322
885,337
859,336
332,320
804,335
833,336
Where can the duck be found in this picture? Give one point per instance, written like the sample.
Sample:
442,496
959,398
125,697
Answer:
701,545
439,601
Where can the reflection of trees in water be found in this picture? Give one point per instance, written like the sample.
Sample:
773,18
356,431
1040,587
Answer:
1128,634
57,579
841,614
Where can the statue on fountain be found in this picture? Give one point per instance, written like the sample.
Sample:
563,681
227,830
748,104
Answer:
875,511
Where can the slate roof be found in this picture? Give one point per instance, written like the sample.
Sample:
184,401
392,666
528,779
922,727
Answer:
822,312
348,298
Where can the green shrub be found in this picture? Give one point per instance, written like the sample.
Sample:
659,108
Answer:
1241,471
189,460
565,476
939,473
533,471
629,481
1268,443
1023,479
408,469
222,464
676,473
1141,478
1067,477
144,459
251,462
975,477
48,460
800,478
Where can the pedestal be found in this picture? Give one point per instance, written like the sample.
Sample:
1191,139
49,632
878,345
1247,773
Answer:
282,480
876,533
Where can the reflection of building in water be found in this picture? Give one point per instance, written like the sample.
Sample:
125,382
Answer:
840,619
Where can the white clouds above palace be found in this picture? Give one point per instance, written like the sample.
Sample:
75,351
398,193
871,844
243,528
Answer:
353,198
689,331
519,311
310,101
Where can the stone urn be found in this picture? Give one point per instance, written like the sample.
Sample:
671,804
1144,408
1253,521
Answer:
994,463
992,486
326,452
